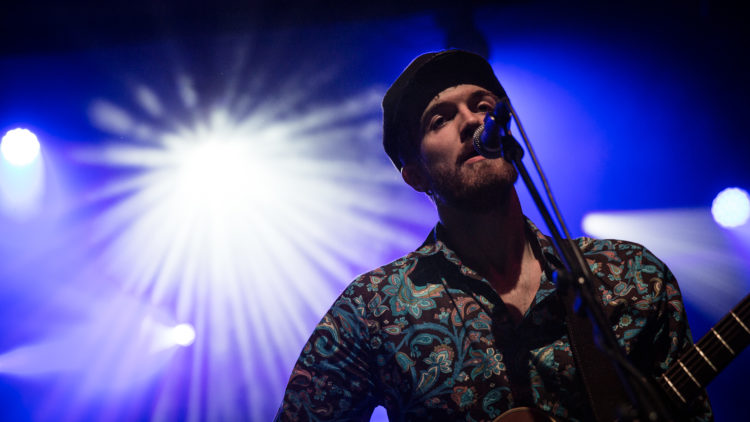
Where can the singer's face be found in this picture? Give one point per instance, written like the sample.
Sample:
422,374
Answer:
450,167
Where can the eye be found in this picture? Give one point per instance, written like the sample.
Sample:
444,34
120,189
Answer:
485,106
436,122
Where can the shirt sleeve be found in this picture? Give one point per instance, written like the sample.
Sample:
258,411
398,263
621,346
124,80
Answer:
332,379
673,335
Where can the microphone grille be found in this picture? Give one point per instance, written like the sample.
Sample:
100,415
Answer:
478,135
489,147
477,140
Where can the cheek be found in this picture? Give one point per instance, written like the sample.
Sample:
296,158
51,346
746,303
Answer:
435,150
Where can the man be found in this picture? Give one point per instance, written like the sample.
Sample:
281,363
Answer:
470,324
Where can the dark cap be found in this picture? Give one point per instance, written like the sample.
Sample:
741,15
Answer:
424,78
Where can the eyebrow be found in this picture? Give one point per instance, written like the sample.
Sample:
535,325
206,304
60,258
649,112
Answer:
429,111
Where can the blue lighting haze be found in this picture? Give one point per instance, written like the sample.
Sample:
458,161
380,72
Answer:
237,182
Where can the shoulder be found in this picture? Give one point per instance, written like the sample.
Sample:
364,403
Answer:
628,271
621,253
395,295
392,274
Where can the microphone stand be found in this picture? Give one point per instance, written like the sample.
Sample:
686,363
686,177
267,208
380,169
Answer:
577,275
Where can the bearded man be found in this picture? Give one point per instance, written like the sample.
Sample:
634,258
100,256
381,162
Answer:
470,324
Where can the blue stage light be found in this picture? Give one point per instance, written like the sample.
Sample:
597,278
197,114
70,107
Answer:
731,207
234,218
22,174
20,147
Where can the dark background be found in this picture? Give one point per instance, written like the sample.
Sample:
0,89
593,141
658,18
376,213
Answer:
632,106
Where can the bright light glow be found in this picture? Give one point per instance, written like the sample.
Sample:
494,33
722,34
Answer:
219,172
183,335
731,207
20,147
248,225
22,175
107,349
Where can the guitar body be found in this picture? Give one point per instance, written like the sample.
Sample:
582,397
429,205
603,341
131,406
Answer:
524,414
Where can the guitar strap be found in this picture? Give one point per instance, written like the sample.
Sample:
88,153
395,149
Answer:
603,386
604,389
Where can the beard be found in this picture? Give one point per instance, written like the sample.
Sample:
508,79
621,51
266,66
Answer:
478,187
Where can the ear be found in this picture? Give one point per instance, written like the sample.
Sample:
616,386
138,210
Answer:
414,176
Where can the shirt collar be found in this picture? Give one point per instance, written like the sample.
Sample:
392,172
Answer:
543,247
540,243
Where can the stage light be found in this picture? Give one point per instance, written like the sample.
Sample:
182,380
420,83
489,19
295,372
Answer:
182,335
219,172
237,218
22,175
731,208
20,147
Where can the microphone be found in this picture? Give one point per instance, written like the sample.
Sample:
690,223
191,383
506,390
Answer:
488,138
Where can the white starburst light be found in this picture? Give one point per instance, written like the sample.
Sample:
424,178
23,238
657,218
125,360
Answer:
246,226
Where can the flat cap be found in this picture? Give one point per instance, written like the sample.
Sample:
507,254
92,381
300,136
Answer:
424,78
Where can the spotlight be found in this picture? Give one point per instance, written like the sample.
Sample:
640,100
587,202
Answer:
731,207
216,173
182,335
232,205
20,147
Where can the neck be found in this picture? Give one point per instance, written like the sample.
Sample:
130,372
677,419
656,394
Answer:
493,243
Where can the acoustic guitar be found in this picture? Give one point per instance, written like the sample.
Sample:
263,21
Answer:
692,372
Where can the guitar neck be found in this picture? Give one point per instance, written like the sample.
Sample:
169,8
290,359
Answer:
695,369
700,364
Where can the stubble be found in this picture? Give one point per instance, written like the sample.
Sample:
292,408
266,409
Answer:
477,187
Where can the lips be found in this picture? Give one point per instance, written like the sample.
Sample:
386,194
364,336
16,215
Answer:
474,159
470,154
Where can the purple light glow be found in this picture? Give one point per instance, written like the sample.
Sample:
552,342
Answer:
251,241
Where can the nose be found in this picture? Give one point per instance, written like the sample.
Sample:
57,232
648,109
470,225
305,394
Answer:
471,121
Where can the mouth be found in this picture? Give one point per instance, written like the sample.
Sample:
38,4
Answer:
470,156
474,159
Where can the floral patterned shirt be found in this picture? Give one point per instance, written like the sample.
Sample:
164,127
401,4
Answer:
429,339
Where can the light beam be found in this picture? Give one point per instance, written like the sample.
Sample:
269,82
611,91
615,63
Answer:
246,224
708,264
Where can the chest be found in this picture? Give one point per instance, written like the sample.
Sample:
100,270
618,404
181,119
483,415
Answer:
465,357
519,294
